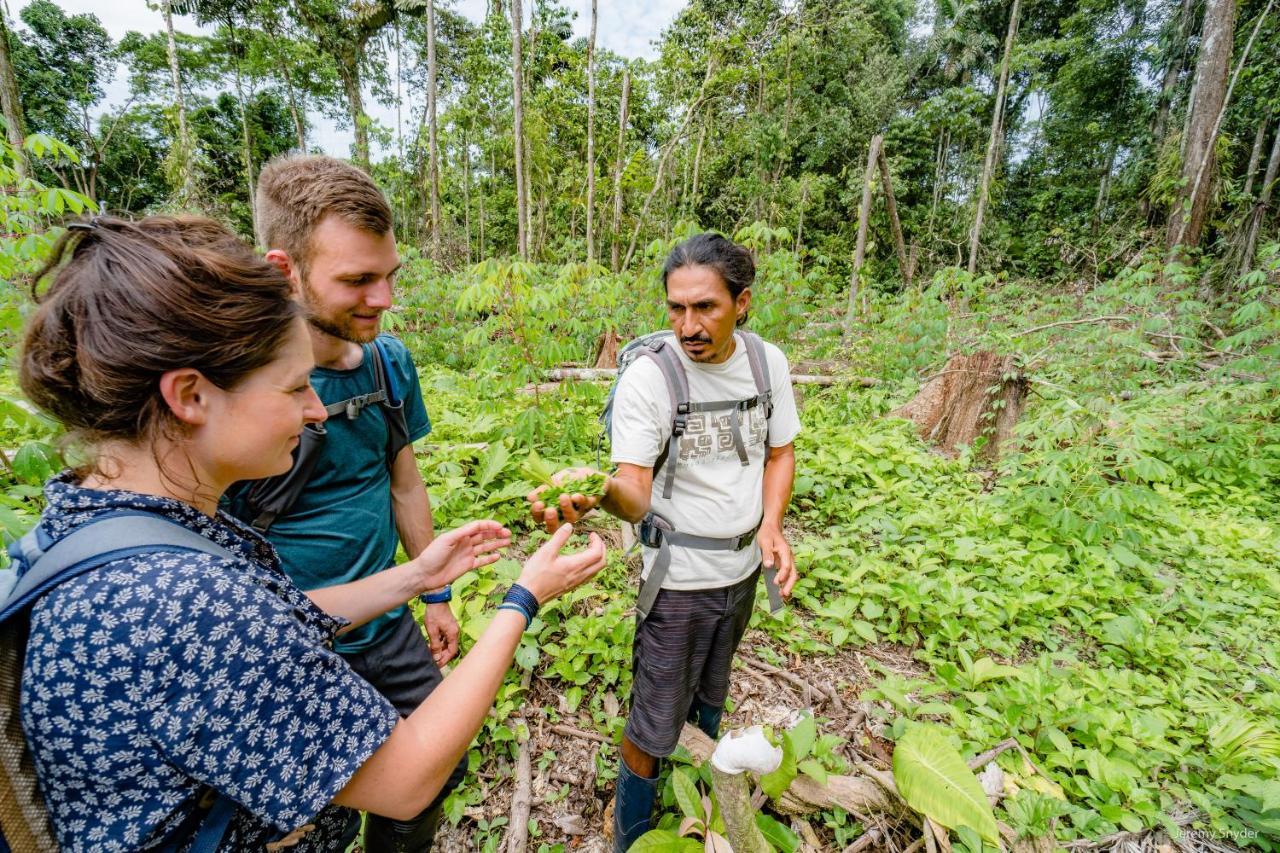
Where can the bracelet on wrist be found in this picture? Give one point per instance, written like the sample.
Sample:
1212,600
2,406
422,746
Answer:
510,605
440,596
521,596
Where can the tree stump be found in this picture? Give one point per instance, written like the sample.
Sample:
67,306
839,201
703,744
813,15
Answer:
607,350
978,395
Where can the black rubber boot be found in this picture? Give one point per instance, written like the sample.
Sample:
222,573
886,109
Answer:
706,717
632,806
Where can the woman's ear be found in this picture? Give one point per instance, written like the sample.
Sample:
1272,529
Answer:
185,392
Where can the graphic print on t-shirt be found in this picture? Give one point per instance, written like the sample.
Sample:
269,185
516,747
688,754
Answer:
708,436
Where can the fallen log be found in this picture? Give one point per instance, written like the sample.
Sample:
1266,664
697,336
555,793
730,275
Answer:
604,374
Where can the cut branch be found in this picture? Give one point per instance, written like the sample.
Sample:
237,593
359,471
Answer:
1109,318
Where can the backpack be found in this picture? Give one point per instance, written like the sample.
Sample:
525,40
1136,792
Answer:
658,346
37,566
268,499
656,531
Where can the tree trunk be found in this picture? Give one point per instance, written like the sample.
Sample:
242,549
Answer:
1172,71
246,141
517,82
899,244
299,124
939,175
432,130
186,166
697,168
733,796
1191,206
1255,154
1263,204
466,191
864,213
10,102
975,396
591,139
993,144
350,75
621,163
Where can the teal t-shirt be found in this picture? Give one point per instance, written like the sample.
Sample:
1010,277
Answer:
342,527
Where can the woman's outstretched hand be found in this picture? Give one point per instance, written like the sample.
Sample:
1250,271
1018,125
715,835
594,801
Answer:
453,554
549,574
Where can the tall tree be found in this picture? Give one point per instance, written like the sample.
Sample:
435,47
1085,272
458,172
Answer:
621,163
1191,204
10,101
1263,204
433,143
517,78
183,153
993,144
344,31
591,139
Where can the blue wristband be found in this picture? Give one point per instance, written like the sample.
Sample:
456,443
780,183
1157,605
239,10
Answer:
526,600
438,597
511,605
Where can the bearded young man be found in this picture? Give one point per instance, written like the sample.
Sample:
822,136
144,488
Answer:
327,227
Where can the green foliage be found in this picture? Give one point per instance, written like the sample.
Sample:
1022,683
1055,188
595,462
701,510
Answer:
933,779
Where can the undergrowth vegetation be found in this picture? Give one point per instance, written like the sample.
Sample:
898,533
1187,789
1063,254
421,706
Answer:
1106,594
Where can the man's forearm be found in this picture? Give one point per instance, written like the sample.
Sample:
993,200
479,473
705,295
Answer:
367,598
779,475
627,496
411,504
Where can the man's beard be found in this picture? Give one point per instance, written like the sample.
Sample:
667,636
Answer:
340,327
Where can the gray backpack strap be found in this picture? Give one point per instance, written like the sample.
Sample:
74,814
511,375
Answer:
678,392
656,532
24,817
96,544
760,373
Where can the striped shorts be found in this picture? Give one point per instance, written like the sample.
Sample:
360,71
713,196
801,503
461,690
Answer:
682,651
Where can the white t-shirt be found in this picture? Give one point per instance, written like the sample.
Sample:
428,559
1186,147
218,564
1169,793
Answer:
714,494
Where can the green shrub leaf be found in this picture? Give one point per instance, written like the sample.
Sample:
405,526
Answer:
934,780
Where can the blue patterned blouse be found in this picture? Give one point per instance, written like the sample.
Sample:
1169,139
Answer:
163,673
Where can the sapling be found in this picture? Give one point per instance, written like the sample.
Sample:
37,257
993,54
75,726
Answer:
738,752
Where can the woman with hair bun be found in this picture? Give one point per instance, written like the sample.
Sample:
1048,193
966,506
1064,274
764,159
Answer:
164,681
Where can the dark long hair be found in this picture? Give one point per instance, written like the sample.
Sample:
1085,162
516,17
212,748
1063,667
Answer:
733,263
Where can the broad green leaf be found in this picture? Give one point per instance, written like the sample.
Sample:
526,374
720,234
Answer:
864,629
495,459
779,780
814,770
665,841
687,796
778,834
934,780
802,735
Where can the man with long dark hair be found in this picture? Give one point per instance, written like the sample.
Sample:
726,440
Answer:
702,423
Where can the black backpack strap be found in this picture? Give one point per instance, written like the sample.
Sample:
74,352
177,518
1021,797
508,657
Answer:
392,403
678,392
272,497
